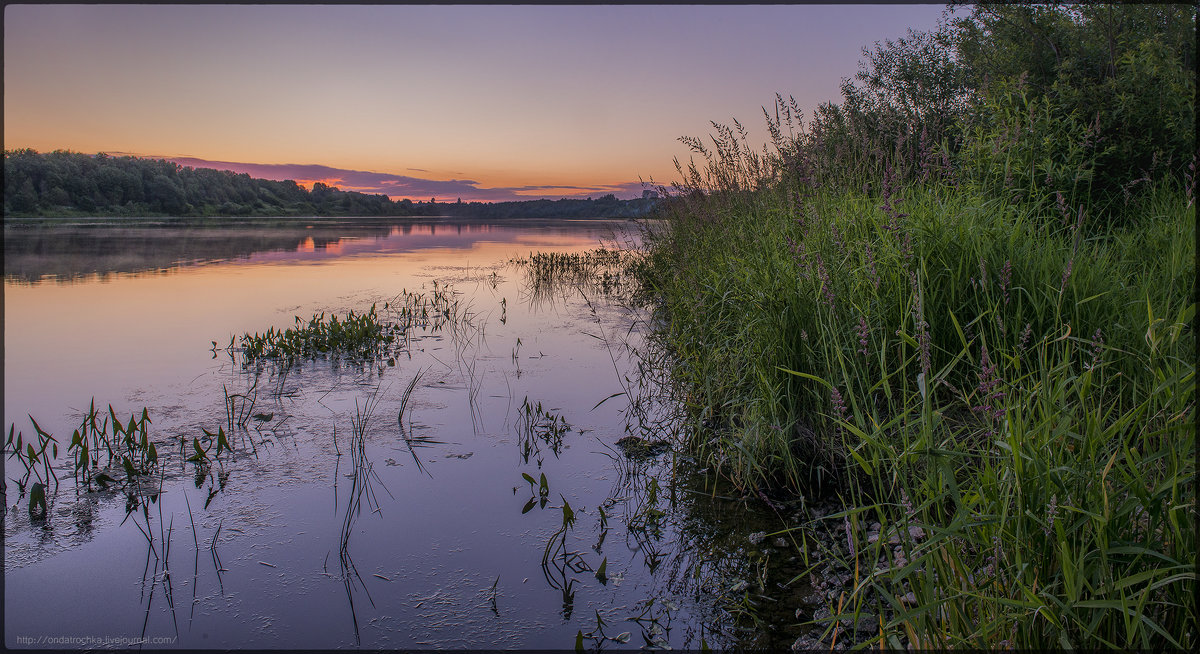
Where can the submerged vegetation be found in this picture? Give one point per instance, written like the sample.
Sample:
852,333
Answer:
601,272
968,314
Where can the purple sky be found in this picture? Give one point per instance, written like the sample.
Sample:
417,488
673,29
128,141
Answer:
478,102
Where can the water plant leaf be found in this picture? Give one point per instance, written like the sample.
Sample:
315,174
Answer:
568,513
607,399
37,501
529,505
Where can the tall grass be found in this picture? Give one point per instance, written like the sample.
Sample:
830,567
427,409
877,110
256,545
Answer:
1007,388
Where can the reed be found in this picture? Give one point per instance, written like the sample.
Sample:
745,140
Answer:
1002,392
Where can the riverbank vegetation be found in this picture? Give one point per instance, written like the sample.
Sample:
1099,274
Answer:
962,301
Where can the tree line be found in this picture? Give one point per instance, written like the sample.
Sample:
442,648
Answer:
63,183
607,206
72,183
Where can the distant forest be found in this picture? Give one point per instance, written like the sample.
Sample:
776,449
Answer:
70,184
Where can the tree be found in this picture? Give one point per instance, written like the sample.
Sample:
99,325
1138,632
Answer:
25,200
1119,79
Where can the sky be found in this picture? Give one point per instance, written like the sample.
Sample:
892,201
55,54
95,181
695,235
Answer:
477,102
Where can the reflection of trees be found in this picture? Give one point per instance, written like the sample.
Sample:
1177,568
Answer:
72,252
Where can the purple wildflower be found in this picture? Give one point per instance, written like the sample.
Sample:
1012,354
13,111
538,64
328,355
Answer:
871,267
863,332
1026,333
1190,186
839,406
922,327
924,341
888,207
798,255
1006,278
1051,514
1066,275
990,394
826,282
1097,348
923,152
837,239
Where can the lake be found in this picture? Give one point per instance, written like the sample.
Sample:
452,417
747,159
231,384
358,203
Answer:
395,502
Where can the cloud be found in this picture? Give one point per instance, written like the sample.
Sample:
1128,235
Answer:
406,186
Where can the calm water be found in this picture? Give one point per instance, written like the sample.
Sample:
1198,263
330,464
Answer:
447,553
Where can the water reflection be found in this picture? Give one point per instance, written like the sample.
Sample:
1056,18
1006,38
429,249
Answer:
73,251
485,496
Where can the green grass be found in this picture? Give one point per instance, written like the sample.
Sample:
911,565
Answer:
1017,382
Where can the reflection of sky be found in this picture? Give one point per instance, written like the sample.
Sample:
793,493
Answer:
410,238
439,541
65,253
66,342
545,98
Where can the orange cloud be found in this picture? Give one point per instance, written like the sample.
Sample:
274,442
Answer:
308,183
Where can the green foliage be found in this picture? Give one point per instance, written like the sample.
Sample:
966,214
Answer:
71,183
360,336
1001,377
1031,148
605,207
62,182
1127,71
1094,101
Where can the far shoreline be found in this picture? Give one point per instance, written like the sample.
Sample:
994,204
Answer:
31,220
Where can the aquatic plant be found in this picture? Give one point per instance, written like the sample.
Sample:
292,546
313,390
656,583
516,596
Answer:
31,458
600,272
360,336
537,426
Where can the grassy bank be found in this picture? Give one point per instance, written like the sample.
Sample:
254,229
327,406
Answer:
1003,395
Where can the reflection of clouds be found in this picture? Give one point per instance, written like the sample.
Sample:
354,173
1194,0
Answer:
417,188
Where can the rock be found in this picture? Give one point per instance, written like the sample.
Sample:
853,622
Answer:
807,642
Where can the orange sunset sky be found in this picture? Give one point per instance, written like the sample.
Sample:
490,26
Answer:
477,102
